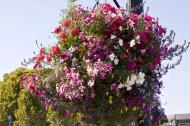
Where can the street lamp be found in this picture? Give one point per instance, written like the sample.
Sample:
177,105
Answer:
136,6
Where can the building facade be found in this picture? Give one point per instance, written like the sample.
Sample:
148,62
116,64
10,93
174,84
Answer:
178,120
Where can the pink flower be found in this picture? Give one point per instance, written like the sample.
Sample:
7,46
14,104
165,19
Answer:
158,59
75,18
103,69
117,21
62,35
65,56
162,31
115,28
148,27
74,32
73,89
86,21
40,57
127,46
57,30
31,88
107,7
36,65
55,50
148,18
79,9
48,59
107,32
67,22
21,84
42,50
144,36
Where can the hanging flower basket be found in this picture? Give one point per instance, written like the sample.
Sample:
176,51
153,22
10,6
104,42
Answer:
105,67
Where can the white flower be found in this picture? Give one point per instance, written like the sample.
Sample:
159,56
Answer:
137,37
140,78
131,80
113,15
95,71
112,56
121,86
120,14
113,37
116,61
143,51
89,70
120,28
131,23
91,83
72,49
129,88
116,47
120,42
92,71
132,43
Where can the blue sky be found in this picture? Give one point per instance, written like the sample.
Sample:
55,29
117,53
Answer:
22,22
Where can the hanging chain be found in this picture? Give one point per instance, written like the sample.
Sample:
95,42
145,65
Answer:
116,3
96,4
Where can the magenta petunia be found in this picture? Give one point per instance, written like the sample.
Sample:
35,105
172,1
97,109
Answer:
144,36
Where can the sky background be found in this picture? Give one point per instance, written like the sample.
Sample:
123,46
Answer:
22,22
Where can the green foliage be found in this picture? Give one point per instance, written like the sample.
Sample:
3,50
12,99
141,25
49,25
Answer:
24,107
9,92
30,112
56,117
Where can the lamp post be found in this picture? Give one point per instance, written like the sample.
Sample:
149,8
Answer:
136,6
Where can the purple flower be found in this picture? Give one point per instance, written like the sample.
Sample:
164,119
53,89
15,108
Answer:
132,65
82,36
73,88
114,87
78,124
103,68
86,21
66,113
79,9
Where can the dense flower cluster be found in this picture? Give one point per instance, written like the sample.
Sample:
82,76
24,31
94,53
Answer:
104,57
73,87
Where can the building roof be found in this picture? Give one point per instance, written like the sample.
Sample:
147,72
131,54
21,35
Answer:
179,117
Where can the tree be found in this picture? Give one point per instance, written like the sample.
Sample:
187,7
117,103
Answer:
9,91
14,100
30,111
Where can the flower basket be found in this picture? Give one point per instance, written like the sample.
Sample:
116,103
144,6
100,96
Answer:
105,68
